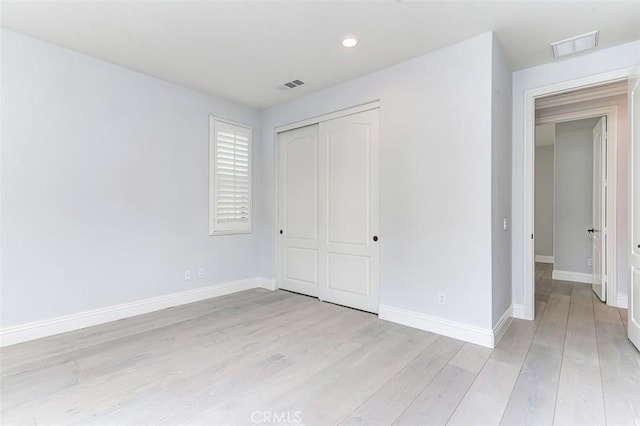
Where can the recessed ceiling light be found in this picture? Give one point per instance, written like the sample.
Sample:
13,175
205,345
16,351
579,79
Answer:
349,41
575,44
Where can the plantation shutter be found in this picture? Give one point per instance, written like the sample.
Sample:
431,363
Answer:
231,207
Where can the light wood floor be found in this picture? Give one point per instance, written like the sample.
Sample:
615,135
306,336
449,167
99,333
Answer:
261,357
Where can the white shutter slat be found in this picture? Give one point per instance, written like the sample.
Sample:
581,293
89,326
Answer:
231,162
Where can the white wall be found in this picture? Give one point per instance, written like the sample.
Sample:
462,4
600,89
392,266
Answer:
544,200
622,175
599,62
104,185
435,177
573,215
500,183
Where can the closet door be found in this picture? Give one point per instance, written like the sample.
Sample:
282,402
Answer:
298,210
348,219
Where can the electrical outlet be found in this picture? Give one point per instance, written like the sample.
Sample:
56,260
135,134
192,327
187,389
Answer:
201,273
441,298
589,262
187,275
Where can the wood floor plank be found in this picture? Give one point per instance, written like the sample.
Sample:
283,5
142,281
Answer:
533,398
439,399
331,395
386,405
544,286
580,399
618,367
624,317
490,392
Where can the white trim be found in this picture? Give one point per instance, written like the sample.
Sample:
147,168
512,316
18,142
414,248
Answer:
267,283
457,330
518,311
502,326
623,302
570,98
544,259
35,330
330,116
576,277
528,159
579,115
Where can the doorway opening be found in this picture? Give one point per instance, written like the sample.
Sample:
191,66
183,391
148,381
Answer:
571,190
579,206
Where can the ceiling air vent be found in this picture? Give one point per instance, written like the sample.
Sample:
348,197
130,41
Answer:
575,44
291,85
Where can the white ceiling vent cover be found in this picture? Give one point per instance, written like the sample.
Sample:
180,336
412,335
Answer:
575,44
291,85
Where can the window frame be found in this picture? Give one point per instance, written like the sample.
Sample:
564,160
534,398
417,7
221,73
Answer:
239,229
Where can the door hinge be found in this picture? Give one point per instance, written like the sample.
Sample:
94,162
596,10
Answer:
532,236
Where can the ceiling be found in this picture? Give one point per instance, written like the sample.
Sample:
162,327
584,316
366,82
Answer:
243,50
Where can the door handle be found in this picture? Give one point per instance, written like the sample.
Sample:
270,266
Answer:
281,232
591,231
375,238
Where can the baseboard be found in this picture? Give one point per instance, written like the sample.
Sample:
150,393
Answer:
457,330
267,283
502,326
623,302
53,326
518,311
543,259
576,277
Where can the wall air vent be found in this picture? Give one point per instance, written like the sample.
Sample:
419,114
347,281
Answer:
291,85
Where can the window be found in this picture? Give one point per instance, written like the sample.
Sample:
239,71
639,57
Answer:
229,178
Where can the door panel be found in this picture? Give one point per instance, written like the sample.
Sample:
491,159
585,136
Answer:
348,220
298,210
634,183
348,273
301,265
301,207
598,228
348,173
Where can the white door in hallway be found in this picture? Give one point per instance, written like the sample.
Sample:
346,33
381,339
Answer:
634,172
298,210
348,182
598,229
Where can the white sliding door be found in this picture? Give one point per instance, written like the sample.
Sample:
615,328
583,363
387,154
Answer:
349,211
298,210
328,210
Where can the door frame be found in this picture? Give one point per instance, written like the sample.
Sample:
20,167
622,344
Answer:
296,125
611,112
530,97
